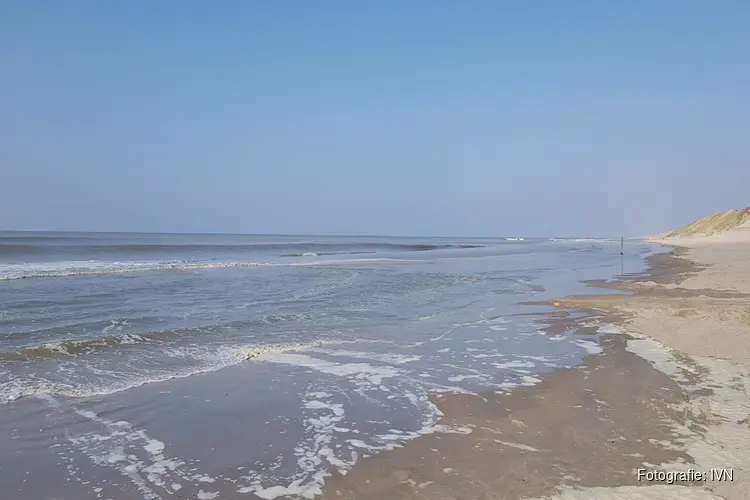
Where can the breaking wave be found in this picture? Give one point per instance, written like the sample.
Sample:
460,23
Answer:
81,347
88,268
207,360
13,247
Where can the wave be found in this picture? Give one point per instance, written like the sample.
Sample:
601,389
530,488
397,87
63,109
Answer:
81,347
85,268
587,248
94,268
10,247
20,249
21,236
16,388
316,254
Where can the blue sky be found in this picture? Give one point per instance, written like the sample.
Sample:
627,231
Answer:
405,118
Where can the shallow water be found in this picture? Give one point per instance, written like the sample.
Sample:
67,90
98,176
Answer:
339,342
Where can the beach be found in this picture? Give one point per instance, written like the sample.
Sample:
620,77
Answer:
382,251
662,412
482,382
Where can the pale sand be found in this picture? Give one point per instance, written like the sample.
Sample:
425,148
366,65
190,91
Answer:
670,392
705,318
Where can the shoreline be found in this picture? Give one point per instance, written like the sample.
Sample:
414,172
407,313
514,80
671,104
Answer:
649,403
276,428
626,404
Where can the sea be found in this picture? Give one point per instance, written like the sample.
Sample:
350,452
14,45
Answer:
147,358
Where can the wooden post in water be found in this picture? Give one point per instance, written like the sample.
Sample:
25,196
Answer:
622,245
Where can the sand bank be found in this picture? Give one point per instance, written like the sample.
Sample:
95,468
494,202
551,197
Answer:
668,394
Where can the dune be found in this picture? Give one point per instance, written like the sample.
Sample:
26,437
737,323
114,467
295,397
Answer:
720,245
733,224
690,317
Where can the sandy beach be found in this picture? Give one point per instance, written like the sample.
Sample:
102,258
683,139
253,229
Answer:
662,412
631,387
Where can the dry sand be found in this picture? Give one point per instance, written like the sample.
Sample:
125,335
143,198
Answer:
670,392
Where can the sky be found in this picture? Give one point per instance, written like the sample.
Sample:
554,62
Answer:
478,118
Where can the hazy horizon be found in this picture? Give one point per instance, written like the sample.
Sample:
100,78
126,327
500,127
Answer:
313,235
575,118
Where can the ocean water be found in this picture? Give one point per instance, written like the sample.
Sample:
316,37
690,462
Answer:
353,333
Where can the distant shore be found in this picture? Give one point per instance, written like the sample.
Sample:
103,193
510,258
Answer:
662,412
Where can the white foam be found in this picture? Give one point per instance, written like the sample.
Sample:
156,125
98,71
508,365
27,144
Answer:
518,446
447,429
320,422
86,268
208,360
383,357
515,364
154,447
317,447
319,394
658,355
528,381
525,381
135,455
459,378
357,372
486,355
590,347
536,358
60,269
611,329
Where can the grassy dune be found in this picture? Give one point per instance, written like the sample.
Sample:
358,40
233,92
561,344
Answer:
713,224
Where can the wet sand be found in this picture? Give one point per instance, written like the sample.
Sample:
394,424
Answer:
591,425
585,432
117,449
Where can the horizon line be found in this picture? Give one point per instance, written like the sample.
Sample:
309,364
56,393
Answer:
354,235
